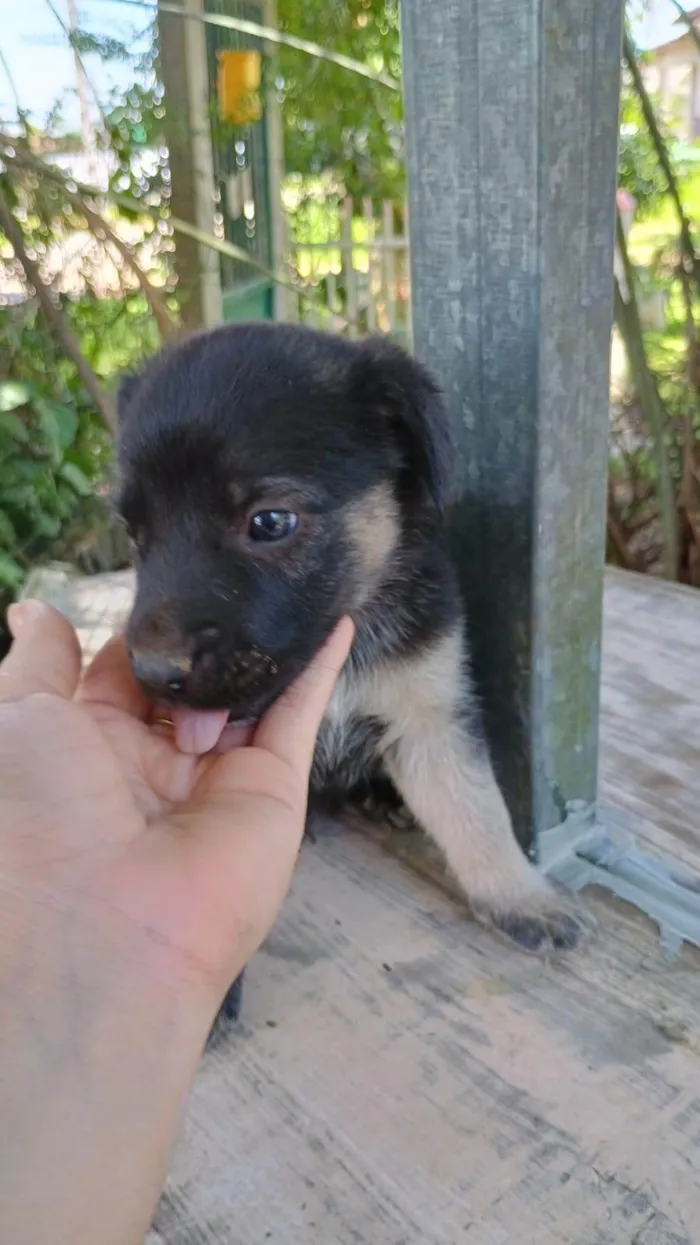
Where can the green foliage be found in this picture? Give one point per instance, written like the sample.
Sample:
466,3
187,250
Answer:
105,46
133,122
134,130
336,122
638,168
53,451
116,334
654,492
343,134
55,454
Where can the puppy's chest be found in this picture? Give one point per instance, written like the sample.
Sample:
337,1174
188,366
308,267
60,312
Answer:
350,739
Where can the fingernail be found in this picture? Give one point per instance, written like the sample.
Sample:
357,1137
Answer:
23,612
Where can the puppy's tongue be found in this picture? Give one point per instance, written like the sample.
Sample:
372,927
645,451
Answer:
198,730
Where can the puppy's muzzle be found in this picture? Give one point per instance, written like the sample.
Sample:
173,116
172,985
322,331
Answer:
164,676
207,678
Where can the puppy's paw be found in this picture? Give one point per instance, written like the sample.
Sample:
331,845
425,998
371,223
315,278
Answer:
544,923
377,800
391,812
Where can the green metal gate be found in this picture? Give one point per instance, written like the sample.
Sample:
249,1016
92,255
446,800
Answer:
242,173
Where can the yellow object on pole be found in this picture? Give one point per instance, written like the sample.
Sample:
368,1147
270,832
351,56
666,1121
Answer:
238,86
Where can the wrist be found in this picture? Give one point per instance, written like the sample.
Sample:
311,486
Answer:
103,1043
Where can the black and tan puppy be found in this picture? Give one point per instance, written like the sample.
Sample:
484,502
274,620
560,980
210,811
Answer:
274,479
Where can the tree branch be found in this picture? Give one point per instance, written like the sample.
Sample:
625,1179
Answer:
20,154
55,318
166,323
618,537
685,17
687,244
628,322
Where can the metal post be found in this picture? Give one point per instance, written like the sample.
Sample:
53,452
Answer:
512,117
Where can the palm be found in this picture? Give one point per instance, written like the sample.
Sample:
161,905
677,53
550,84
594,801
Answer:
104,816
156,773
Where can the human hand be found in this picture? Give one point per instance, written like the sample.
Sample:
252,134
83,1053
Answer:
135,883
101,814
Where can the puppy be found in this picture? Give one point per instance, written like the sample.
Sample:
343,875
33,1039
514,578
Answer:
274,479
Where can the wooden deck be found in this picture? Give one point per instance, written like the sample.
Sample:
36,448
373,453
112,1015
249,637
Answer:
400,1077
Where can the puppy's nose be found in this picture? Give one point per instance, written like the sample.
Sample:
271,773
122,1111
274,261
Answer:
164,674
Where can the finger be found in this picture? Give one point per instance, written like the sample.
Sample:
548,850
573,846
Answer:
238,735
245,823
45,654
238,841
108,681
290,727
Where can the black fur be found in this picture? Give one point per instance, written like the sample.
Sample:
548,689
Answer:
204,428
260,417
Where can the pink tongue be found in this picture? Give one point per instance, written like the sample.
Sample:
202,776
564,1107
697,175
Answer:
198,730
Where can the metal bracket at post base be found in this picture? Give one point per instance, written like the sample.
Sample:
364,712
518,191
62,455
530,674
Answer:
598,849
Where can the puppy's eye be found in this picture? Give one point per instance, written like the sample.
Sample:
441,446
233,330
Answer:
272,525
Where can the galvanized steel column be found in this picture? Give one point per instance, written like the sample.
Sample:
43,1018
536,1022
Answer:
512,119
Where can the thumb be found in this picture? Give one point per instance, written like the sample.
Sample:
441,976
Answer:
245,823
45,655
290,727
288,730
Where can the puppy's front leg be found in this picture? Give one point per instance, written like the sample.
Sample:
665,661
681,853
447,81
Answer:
445,777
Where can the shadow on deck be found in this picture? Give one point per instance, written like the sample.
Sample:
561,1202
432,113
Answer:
402,1077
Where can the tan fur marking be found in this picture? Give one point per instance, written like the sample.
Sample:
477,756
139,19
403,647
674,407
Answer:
373,526
446,782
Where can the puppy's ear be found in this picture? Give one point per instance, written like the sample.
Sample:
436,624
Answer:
387,380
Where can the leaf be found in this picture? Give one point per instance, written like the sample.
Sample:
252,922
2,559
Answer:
49,427
68,423
104,46
14,427
77,479
30,471
11,573
8,535
58,423
18,495
14,393
48,525
274,35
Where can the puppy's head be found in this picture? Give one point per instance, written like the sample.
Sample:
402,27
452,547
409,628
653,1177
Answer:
270,478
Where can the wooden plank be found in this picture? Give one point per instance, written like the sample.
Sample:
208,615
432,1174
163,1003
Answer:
650,723
511,193
400,1077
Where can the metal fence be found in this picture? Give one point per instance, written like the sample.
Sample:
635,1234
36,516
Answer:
349,269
